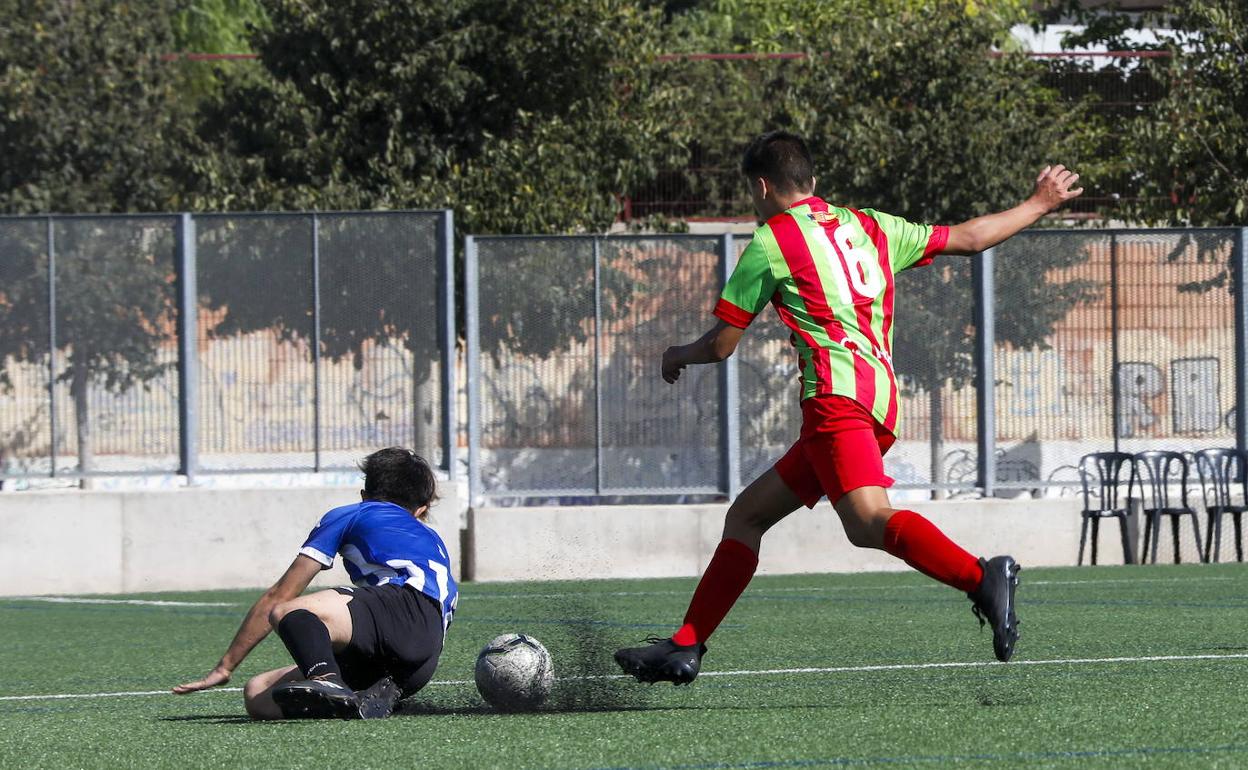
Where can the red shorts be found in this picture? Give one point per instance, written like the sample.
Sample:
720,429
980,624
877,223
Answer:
841,449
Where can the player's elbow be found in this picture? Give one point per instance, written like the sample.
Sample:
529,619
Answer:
966,239
723,344
722,350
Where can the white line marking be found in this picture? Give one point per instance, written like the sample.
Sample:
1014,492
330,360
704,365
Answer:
136,693
582,594
837,589
1124,580
758,672
144,602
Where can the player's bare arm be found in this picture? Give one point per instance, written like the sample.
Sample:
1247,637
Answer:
1053,188
719,342
255,625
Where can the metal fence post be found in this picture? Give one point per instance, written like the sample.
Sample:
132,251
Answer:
188,369
446,324
597,366
472,352
51,238
985,376
316,343
729,395
1239,271
1115,386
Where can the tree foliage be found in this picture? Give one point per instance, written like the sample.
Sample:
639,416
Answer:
90,121
523,117
89,113
1192,151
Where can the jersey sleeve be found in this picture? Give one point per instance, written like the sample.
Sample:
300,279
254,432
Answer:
326,537
749,288
909,244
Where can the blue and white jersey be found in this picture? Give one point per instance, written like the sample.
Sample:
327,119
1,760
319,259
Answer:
384,543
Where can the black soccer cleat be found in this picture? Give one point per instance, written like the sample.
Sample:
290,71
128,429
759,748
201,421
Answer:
662,660
317,699
993,603
378,701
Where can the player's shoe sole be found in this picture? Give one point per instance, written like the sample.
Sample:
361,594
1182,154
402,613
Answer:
993,603
662,660
378,701
317,699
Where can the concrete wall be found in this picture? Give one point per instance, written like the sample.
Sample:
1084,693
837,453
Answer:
71,542
651,541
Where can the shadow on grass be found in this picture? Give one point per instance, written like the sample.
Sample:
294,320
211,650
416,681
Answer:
216,719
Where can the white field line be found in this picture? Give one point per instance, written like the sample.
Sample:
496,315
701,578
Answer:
591,594
89,600
134,694
758,672
839,589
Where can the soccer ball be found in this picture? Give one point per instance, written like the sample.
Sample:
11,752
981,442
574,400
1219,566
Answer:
514,672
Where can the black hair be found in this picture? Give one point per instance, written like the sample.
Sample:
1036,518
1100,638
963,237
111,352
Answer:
400,476
782,158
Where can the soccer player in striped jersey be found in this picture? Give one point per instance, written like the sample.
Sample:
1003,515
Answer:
357,650
828,271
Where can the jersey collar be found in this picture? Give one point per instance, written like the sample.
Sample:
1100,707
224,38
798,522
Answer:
815,202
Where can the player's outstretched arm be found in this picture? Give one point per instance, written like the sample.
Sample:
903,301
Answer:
256,624
1053,188
716,345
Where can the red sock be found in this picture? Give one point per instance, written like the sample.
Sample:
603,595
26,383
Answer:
918,542
727,575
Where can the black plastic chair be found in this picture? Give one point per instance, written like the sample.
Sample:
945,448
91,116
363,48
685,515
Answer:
1101,476
1160,476
1220,470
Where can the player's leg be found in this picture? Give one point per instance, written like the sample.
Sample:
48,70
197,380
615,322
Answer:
404,639
849,460
258,692
760,506
871,522
313,628
757,509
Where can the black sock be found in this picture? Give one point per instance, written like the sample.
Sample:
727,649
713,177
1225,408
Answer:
307,638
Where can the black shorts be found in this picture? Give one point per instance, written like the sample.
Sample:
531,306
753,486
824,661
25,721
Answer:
396,631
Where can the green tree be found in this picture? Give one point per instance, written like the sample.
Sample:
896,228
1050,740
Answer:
90,119
521,116
215,27
1191,152
934,133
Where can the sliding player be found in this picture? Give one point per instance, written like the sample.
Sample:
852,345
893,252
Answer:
381,638
829,272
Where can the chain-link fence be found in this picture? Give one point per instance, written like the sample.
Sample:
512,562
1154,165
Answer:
224,343
565,335
1096,340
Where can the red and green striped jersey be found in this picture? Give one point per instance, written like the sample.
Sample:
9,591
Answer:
829,273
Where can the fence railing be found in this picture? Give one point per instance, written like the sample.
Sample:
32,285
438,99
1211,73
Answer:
224,343
239,343
1012,364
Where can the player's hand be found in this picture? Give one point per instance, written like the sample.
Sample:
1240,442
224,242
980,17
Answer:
672,365
1053,187
215,678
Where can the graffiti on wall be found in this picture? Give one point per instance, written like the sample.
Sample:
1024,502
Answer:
1194,397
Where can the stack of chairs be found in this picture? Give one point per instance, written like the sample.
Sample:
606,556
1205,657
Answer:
1163,481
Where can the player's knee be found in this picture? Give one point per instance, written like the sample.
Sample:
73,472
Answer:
254,701
859,535
278,612
742,516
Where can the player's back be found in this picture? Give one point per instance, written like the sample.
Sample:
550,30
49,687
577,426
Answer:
828,271
382,542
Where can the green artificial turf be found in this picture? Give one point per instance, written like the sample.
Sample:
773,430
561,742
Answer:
1188,712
